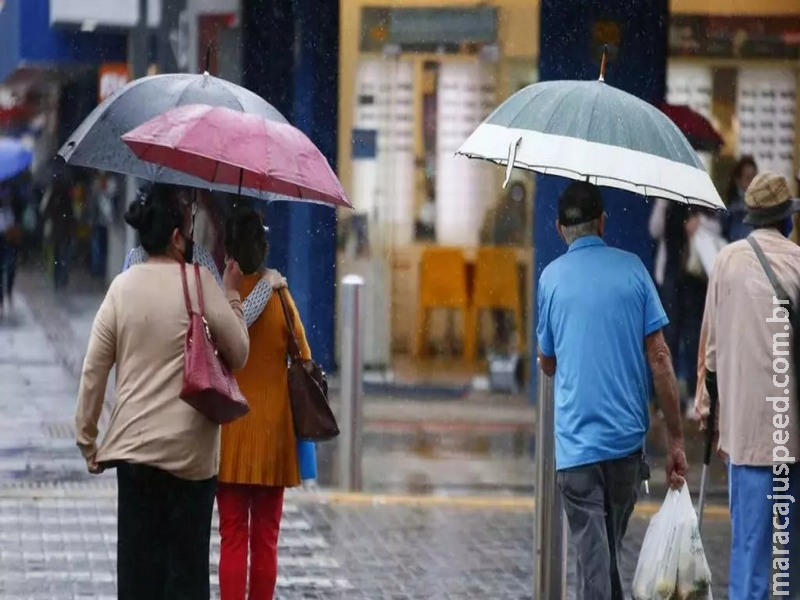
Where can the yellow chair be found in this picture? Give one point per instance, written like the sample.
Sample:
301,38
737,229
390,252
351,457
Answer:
496,285
443,284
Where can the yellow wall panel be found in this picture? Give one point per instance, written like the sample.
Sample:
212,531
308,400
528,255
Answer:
762,8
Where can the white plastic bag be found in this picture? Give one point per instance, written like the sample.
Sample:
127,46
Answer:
672,564
705,246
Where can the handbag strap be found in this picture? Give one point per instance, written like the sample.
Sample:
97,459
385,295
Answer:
202,304
186,296
780,292
294,347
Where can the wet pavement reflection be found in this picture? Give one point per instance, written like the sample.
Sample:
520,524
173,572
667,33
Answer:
62,548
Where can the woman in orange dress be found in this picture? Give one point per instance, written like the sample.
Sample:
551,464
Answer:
259,452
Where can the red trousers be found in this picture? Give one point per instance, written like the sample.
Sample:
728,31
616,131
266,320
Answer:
249,516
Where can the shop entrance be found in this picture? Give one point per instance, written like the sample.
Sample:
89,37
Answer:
413,194
423,79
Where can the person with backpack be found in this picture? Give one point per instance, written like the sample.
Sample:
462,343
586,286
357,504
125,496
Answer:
750,359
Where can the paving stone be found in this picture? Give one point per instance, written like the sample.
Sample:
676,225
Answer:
66,548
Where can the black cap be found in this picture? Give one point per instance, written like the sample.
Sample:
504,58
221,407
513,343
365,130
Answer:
580,203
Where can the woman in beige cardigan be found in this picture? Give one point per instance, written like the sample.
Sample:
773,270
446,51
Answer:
166,453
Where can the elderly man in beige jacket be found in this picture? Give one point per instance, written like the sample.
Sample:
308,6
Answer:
748,362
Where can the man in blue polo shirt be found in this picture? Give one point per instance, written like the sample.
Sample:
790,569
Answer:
600,322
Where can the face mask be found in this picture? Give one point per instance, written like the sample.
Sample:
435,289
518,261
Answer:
786,228
188,252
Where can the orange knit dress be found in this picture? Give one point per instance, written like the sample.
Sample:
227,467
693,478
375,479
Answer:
261,448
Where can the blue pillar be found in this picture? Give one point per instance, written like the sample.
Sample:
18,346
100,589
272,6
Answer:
570,36
291,58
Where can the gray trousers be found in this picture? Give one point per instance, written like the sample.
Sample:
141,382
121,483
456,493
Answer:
598,501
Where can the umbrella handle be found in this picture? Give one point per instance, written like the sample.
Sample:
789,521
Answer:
603,63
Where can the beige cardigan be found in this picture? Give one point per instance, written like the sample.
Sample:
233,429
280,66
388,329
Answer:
140,328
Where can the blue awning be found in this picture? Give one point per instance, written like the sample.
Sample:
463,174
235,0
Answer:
28,42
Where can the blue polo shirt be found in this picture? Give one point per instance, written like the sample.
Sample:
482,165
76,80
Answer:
595,306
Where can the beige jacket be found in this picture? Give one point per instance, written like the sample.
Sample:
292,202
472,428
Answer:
140,328
747,348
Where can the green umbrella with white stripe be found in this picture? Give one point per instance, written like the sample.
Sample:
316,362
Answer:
591,131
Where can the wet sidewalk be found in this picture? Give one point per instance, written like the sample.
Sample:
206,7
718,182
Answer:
479,443
57,523
354,548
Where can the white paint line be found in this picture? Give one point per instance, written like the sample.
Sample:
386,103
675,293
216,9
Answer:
285,541
92,520
315,561
320,583
30,499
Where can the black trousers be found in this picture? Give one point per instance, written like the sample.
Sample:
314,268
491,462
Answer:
163,535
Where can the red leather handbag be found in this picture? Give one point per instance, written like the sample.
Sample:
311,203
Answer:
208,383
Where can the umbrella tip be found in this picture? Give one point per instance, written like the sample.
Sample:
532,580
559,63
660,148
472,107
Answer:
603,63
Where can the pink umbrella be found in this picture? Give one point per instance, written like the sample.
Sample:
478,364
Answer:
224,146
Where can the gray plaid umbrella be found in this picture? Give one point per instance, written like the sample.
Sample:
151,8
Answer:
593,131
96,142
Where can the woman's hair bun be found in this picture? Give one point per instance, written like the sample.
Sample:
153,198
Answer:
138,215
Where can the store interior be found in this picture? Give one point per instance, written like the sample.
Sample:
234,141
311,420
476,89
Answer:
446,251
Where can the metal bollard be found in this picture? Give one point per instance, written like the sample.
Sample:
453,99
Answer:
352,380
550,526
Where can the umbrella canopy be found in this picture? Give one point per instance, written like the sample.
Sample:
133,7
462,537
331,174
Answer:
15,157
697,129
97,142
590,130
220,145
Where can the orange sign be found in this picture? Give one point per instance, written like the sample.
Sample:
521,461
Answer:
112,77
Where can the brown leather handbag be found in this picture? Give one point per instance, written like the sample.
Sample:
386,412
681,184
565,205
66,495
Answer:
308,391
208,382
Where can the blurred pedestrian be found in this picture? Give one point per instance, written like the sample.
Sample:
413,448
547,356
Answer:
657,226
600,323
60,227
735,227
8,226
12,205
198,253
506,224
746,339
683,294
165,452
259,456
103,201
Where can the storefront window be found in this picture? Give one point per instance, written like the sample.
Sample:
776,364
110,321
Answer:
422,80
733,71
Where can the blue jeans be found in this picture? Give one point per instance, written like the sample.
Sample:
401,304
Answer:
754,533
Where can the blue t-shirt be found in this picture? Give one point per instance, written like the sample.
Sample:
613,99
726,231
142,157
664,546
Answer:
595,306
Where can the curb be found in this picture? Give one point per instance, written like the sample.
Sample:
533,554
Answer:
501,503
491,503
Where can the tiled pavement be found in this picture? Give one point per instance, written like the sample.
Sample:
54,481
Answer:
59,549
